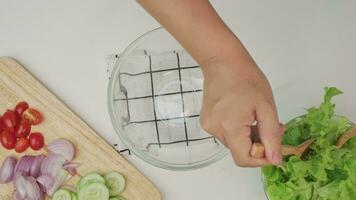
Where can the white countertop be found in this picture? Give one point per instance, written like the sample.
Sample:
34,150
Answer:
301,45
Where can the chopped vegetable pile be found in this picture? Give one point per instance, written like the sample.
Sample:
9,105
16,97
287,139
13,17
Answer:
35,176
15,128
93,186
322,173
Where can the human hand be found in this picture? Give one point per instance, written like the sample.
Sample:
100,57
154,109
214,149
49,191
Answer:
236,95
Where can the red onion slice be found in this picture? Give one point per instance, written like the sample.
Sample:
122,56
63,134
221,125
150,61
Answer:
52,164
71,168
7,169
20,185
36,166
46,181
33,190
27,188
16,196
62,147
59,180
23,166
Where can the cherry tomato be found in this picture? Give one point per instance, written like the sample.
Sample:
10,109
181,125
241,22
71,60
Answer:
1,125
8,140
22,129
21,145
36,141
33,116
21,107
10,120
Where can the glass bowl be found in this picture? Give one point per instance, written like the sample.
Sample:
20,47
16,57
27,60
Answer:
264,184
154,99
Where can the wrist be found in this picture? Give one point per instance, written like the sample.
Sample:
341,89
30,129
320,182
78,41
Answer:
233,56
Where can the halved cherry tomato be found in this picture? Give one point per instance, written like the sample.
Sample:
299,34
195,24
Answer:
10,120
36,141
1,125
21,107
8,140
22,129
21,145
32,116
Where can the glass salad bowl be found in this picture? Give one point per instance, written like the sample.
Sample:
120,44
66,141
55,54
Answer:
154,99
344,125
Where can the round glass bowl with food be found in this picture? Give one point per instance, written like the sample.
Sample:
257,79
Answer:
327,169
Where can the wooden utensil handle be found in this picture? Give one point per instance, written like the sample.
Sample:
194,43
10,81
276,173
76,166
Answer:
258,150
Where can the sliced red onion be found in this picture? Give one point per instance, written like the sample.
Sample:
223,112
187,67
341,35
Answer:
16,196
52,164
59,180
46,181
62,147
27,188
20,185
36,166
7,169
23,166
71,168
33,190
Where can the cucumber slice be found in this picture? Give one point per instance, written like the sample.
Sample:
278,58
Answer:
115,182
62,194
90,178
93,191
74,196
117,198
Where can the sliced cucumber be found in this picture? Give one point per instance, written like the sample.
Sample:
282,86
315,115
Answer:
93,191
90,178
115,182
74,196
117,198
62,194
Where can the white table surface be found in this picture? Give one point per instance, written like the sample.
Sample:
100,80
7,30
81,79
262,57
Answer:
301,45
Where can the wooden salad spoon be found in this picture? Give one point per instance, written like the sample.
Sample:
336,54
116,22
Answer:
258,150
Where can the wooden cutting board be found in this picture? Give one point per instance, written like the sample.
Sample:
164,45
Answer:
17,84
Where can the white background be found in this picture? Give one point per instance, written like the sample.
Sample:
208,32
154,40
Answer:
301,46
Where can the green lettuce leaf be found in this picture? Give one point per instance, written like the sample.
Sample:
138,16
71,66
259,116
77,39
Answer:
324,172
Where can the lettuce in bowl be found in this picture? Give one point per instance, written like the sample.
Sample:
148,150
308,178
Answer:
323,172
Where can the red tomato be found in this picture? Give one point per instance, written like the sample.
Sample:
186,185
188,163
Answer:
10,120
22,129
33,116
21,145
1,125
21,107
36,141
8,140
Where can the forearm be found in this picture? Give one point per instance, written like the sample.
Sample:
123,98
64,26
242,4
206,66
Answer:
196,25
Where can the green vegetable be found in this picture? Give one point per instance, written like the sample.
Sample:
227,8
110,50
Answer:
93,191
90,178
62,194
322,173
117,198
115,182
74,196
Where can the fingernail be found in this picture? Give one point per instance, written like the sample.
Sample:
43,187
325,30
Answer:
276,158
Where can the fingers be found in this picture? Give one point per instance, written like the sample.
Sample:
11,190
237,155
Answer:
269,131
240,143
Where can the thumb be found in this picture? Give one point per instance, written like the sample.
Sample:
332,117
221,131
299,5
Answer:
270,131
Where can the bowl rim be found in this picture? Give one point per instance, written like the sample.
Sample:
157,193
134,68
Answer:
222,152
